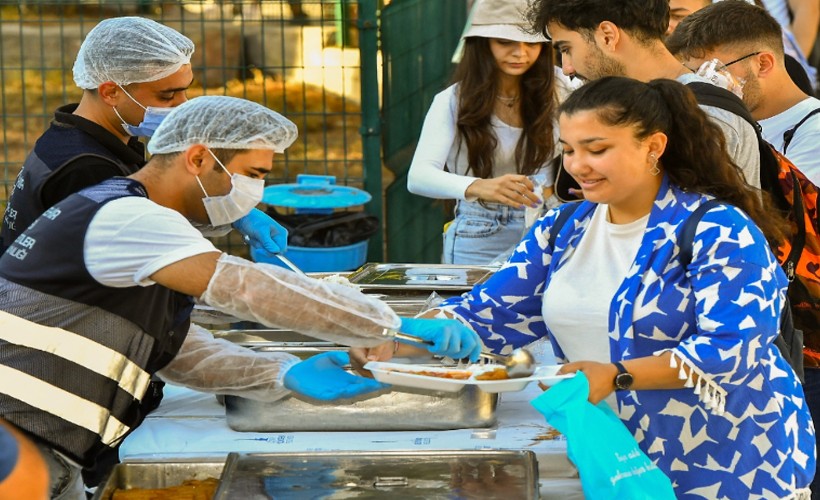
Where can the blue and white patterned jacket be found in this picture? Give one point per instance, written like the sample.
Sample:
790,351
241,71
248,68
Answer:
745,430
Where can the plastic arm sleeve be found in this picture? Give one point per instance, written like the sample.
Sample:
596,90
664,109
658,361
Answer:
279,298
214,365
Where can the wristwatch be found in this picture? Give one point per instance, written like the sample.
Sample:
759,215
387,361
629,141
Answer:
624,379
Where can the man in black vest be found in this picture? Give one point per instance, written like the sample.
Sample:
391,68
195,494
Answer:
96,294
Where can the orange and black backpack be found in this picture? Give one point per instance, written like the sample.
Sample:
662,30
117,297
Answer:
797,196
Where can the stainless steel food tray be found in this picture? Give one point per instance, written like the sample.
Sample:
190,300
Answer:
462,474
151,474
409,409
420,276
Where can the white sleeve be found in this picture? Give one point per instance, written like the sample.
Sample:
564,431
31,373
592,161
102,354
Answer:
215,365
131,238
426,176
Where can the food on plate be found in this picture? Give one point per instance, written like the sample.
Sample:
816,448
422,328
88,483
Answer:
192,489
499,373
451,374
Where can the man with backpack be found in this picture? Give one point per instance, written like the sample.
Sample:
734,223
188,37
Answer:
749,39
598,38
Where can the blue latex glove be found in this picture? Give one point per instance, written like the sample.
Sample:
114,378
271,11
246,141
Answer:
447,336
323,377
263,233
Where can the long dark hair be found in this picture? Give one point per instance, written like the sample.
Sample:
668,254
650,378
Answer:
477,78
695,158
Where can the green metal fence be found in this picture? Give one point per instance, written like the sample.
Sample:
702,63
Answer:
299,58
418,40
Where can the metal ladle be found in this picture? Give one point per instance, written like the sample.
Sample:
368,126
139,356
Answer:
520,363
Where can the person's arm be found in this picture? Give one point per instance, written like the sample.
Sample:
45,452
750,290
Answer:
426,176
23,472
805,22
79,174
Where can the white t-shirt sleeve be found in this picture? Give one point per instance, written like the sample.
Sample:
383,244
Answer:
131,238
426,176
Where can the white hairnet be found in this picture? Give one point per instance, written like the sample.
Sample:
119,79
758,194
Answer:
222,122
127,50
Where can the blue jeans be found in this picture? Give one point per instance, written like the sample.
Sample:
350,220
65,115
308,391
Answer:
811,388
65,476
480,233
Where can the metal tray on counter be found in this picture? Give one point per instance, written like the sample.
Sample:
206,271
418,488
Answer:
152,474
463,474
450,277
408,409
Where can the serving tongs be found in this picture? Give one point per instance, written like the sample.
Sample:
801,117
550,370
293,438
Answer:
519,364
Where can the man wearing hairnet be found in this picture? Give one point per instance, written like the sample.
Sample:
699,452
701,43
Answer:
133,71
83,329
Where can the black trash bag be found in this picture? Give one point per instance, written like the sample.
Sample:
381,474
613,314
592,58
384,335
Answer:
326,230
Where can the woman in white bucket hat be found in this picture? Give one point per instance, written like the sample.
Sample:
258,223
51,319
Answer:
490,135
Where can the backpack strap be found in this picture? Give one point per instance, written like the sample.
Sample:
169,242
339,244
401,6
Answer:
799,240
708,94
687,237
789,134
561,220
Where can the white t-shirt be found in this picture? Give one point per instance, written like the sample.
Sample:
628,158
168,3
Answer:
804,148
129,239
577,302
439,146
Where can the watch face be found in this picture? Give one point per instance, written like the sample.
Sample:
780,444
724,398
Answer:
623,381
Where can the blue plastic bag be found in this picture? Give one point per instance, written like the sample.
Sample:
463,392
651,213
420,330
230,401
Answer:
609,461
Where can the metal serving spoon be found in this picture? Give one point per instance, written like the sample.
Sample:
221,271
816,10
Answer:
520,363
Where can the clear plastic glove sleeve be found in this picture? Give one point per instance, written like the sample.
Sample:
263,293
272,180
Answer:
279,298
215,365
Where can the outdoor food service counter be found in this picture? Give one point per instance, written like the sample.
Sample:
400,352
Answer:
405,443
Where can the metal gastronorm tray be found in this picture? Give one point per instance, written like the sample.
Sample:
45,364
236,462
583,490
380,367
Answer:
157,474
419,276
458,474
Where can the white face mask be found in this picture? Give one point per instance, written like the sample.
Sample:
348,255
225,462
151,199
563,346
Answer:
245,194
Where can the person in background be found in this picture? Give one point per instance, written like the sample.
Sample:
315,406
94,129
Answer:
684,354
82,330
679,9
749,39
801,72
799,19
485,136
23,473
132,71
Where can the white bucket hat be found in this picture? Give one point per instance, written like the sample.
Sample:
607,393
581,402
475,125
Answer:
505,19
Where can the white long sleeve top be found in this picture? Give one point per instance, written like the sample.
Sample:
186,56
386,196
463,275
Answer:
439,146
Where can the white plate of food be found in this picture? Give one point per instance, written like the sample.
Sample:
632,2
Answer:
488,377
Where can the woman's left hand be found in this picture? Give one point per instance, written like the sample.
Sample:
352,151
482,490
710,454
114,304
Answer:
601,377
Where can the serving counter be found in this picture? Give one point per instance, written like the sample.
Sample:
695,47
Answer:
190,424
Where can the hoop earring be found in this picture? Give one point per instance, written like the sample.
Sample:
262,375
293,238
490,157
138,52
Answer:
654,170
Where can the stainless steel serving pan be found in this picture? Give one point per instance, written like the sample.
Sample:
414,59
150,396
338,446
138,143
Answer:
434,277
463,474
155,474
409,409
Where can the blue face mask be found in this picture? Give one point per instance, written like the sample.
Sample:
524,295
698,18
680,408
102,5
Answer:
153,117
